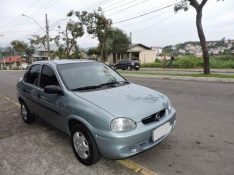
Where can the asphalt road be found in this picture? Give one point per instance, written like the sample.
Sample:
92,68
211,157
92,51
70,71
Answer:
203,142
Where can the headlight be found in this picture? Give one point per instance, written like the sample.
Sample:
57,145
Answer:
169,105
122,124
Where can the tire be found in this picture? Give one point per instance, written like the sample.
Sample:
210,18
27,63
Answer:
84,145
26,114
129,68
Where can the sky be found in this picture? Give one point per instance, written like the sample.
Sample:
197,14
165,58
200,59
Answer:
161,28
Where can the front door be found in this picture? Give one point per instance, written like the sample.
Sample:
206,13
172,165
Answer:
52,105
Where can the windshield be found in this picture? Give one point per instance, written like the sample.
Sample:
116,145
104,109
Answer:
88,75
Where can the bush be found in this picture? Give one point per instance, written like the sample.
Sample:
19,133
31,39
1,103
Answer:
221,64
187,61
223,57
155,64
190,61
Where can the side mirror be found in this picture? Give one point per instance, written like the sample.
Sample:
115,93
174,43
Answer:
53,89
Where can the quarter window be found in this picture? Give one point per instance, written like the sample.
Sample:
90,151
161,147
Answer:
48,77
32,75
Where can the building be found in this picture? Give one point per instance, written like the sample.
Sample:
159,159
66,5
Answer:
12,62
158,50
41,52
140,52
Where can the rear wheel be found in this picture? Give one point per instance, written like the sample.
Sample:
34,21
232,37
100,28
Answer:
26,114
84,145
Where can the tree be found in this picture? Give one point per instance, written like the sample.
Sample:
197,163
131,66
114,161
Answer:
21,46
97,25
117,40
37,41
67,40
198,7
93,51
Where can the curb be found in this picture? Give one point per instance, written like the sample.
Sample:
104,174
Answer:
187,78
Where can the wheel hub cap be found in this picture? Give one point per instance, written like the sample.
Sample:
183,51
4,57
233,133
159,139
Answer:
81,145
24,112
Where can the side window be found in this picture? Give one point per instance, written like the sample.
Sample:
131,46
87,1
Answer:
32,75
48,77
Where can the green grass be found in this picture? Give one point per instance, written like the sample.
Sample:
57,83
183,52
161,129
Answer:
189,61
168,74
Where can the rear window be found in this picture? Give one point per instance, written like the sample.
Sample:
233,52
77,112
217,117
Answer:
32,75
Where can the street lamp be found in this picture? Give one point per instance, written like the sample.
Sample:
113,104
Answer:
34,21
45,30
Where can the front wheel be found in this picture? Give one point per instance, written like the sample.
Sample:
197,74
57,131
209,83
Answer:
84,145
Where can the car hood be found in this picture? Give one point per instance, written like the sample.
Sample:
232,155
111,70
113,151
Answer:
131,101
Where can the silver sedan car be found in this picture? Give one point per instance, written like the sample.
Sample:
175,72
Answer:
103,113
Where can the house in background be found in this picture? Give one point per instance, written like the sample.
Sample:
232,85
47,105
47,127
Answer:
158,50
140,52
12,62
41,52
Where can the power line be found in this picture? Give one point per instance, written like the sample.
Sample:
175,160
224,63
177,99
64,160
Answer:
85,5
114,4
46,6
121,10
37,10
34,3
119,6
16,31
144,14
99,4
151,25
142,21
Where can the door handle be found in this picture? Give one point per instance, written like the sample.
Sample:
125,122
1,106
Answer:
41,96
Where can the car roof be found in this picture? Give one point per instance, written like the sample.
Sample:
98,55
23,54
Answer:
64,61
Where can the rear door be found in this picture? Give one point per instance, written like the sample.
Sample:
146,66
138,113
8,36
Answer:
30,88
52,105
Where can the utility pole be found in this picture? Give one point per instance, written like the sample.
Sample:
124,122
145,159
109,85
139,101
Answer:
4,61
47,37
130,55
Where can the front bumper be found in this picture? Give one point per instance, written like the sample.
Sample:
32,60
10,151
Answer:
121,145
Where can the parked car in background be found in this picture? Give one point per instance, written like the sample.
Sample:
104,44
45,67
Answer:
127,64
103,113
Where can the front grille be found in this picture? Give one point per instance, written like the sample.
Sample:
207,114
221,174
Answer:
154,118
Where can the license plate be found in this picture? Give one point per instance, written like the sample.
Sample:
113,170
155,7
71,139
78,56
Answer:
137,66
161,131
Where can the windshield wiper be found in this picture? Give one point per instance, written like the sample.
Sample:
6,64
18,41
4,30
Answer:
126,82
85,88
109,84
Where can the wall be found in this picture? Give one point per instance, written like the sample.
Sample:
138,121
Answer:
147,56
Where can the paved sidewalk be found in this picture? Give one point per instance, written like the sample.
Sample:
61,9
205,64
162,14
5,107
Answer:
39,149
